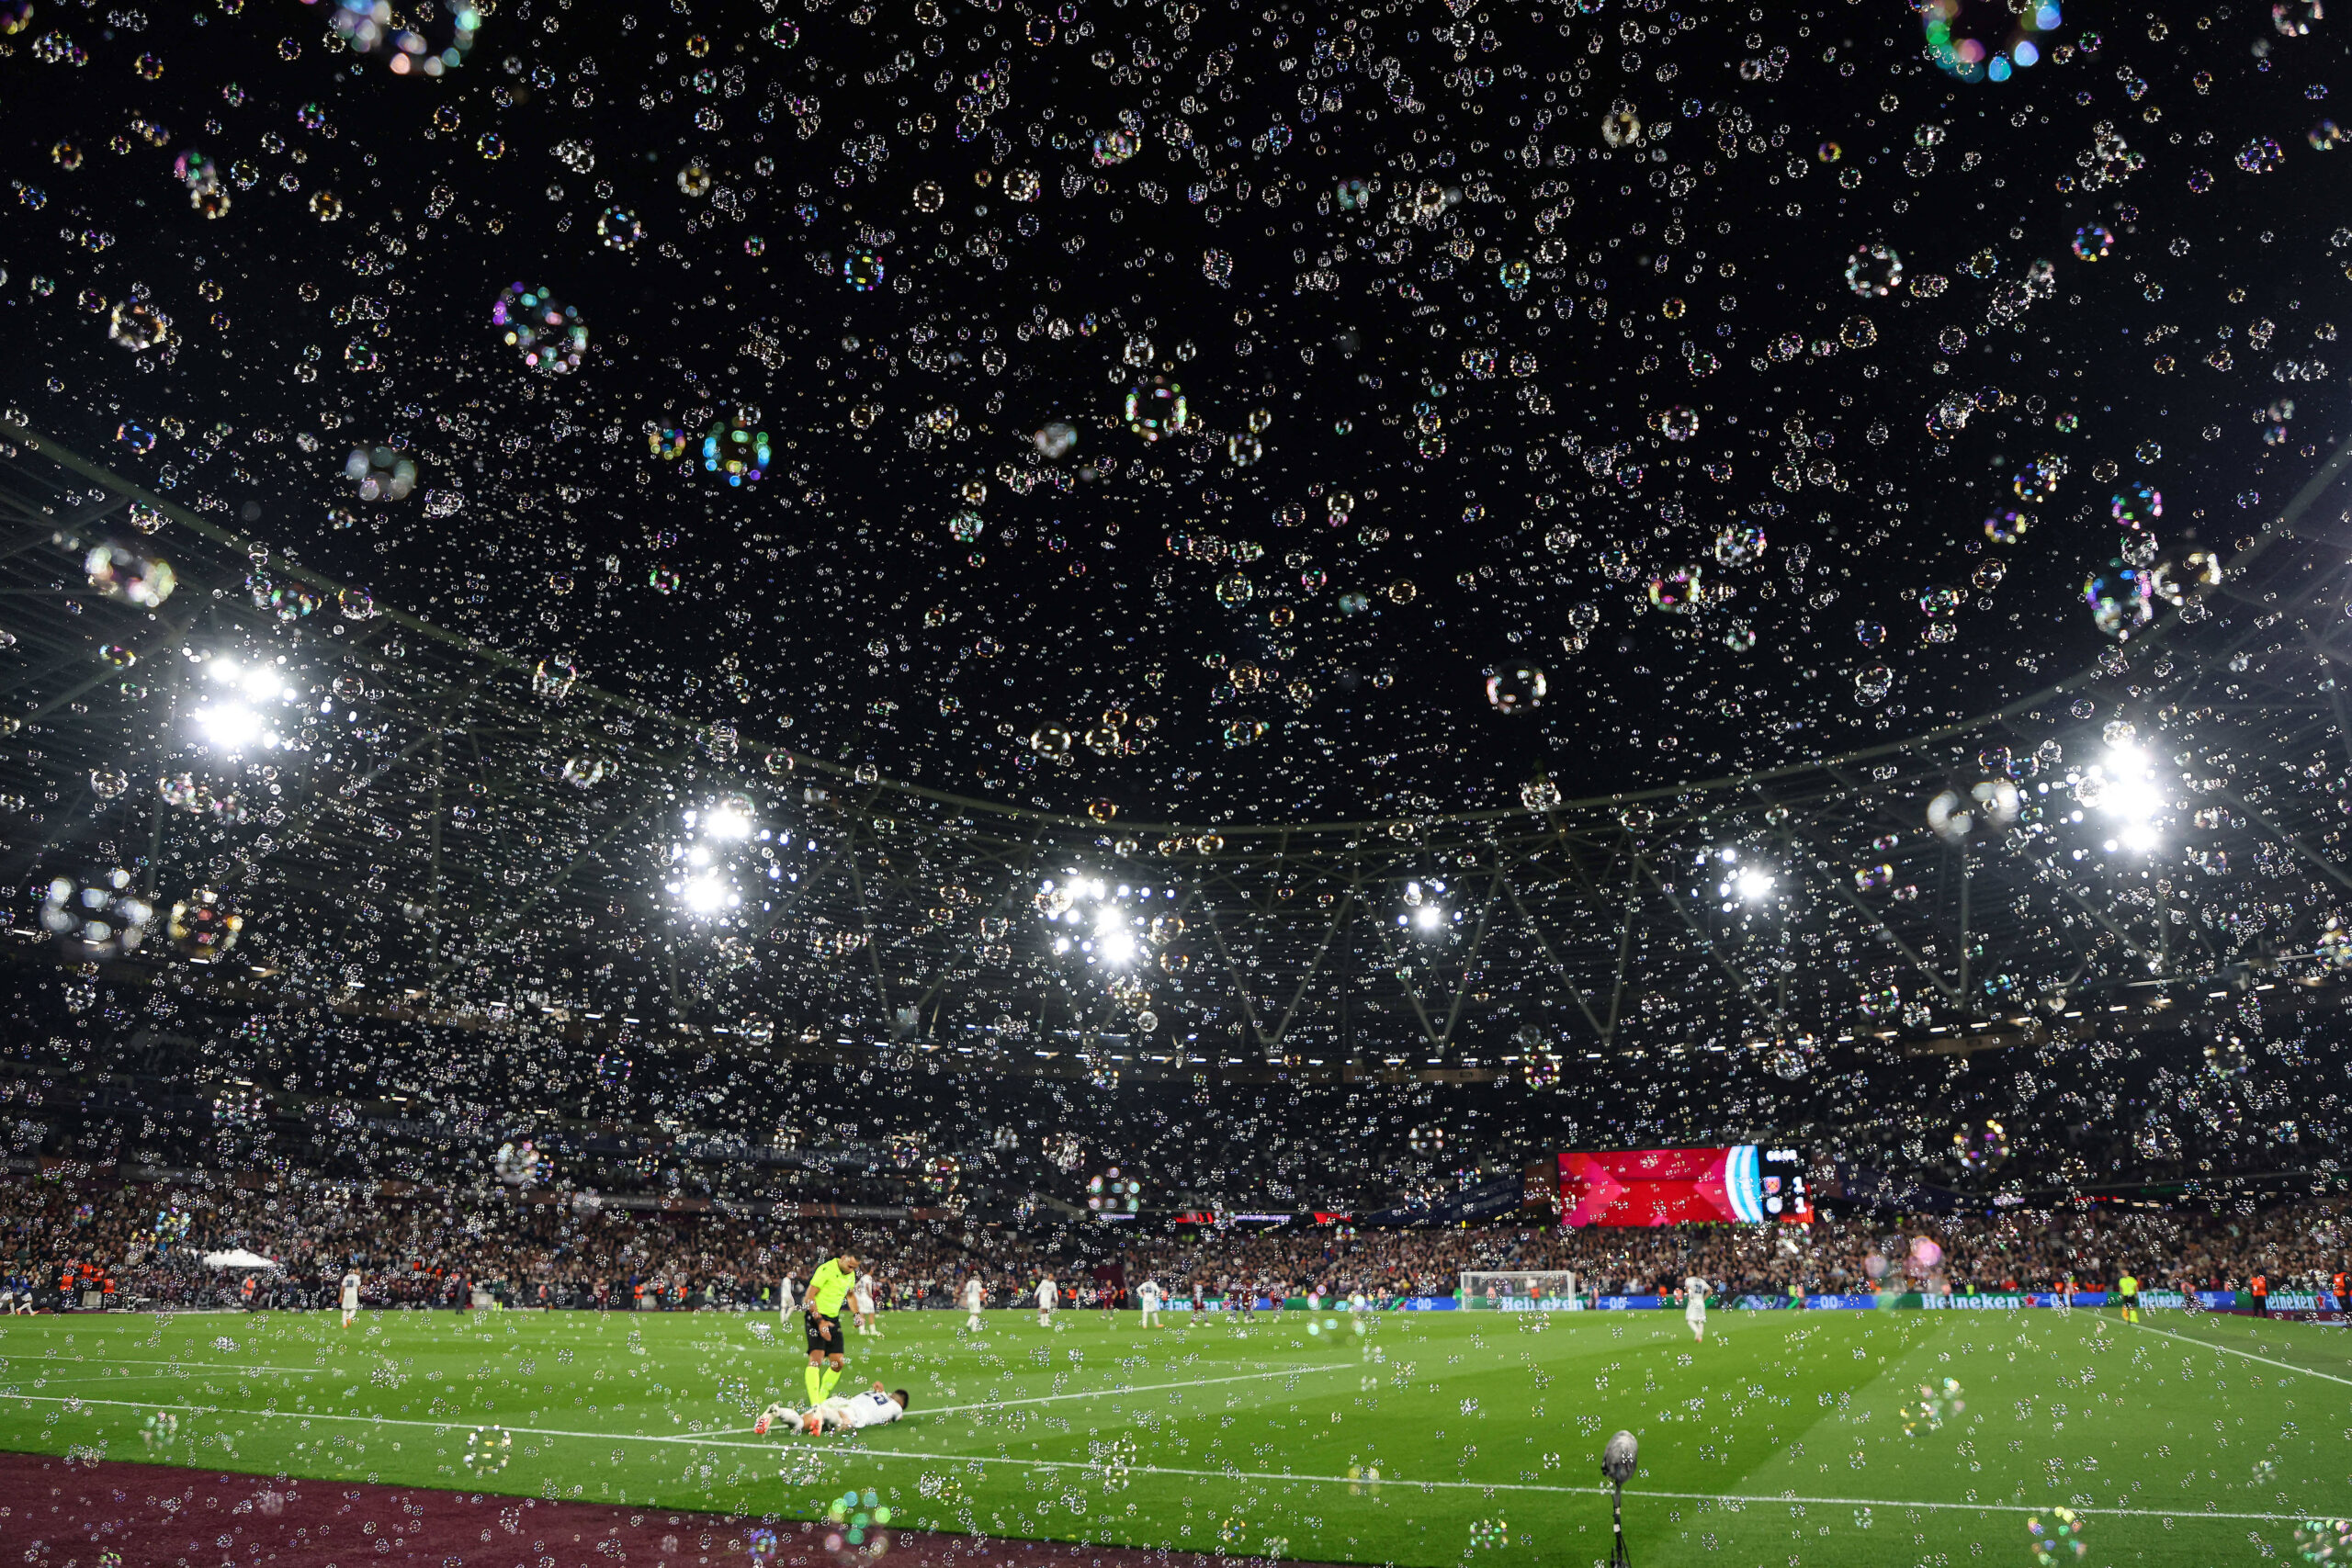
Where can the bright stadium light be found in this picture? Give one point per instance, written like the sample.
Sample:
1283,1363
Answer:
705,896
231,727
1116,946
1429,917
2124,786
729,821
1754,884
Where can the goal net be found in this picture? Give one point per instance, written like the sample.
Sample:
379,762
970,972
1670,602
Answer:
1520,1289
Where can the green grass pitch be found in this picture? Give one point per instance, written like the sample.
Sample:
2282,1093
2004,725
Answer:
1782,1440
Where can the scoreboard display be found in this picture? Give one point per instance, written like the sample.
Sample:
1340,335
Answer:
1743,1184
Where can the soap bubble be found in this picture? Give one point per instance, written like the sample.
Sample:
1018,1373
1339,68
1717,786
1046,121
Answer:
549,334
620,229
1874,271
2007,525
2120,599
2137,505
382,473
732,447
204,925
2093,242
129,573
2057,1540
423,39
96,915
1156,408
138,326
1517,689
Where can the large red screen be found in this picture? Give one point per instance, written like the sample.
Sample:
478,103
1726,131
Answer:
1742,1184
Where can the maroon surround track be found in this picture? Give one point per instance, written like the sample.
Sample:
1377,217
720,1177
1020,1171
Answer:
57,1513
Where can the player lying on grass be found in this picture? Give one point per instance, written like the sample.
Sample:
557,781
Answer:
875,1407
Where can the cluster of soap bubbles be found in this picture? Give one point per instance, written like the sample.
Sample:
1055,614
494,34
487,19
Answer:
522,1164
427,37
2057,1539
546,332
1936,1403
1113,1193
2324,1541
97,915
852,1515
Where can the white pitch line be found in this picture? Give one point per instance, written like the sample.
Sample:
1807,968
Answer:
445,1425
1143,1388
869,1455
15,1363
2211,1345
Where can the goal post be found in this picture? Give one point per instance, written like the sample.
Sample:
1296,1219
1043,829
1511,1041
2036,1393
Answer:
1520,1289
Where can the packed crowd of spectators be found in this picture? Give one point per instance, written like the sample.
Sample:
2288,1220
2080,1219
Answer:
70,1241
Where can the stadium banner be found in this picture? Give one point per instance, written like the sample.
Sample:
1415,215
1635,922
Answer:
1523,1303
1741,1184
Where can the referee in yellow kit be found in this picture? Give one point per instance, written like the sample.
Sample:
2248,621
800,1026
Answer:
829,1287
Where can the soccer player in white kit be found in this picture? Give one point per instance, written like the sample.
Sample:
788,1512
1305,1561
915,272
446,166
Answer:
784,1297
976,1296
1049,1297
350,1296
860,1304
1147,1298
875,1407
1694,1306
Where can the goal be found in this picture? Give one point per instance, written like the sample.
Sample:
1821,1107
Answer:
1521,1290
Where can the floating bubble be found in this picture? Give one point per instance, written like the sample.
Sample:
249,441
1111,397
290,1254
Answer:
382,473
487,1449
2261,156
2175,582
620,229
2007,525
423,39
1156,408
1678,592
1874,271
2093,242
205,925
2137,505
2038,480
2058,1539
1516,689
2120,599
1935,1403
129,573
138,326
549,334
734,448
1981,1146
97,915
